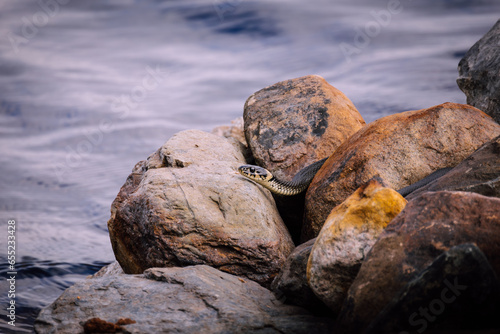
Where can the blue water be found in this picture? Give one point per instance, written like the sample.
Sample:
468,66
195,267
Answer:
89,88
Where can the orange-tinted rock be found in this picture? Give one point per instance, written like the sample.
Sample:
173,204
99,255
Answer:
429,226
296,122
400,149
293,123
350,231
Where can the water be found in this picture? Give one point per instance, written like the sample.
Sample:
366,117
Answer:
87,89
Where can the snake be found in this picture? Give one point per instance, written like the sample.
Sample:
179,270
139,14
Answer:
303,178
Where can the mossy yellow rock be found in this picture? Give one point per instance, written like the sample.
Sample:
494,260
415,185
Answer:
349,232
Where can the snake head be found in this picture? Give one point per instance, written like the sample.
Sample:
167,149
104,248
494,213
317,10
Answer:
255,173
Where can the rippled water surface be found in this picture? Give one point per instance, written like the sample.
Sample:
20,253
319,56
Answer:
88,88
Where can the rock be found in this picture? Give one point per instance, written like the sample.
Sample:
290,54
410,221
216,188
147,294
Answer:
291,283
428,226
187,205
235,130
195,299
400,149
479,173
458,290
350,231
111,269
296,122
235,134
293,123
478,73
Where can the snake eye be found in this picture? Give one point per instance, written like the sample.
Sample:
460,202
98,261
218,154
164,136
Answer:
252,170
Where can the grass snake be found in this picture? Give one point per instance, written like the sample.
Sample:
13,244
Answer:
303,178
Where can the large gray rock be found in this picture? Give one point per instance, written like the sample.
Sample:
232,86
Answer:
479,173
479,75
187,205
196,299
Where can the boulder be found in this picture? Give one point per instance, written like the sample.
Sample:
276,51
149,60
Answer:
111,269
478,73
400,149
479,173
428,226
349,232
291,283
187,205
235,134
293,123
234,130
195,299
296,122
458,290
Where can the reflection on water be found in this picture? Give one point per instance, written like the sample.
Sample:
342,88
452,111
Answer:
90,88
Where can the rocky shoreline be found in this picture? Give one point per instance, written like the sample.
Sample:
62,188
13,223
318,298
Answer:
201,249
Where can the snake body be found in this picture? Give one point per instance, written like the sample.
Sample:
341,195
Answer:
299,183
303,178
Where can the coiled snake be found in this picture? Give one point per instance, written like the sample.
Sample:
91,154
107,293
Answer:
303,178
